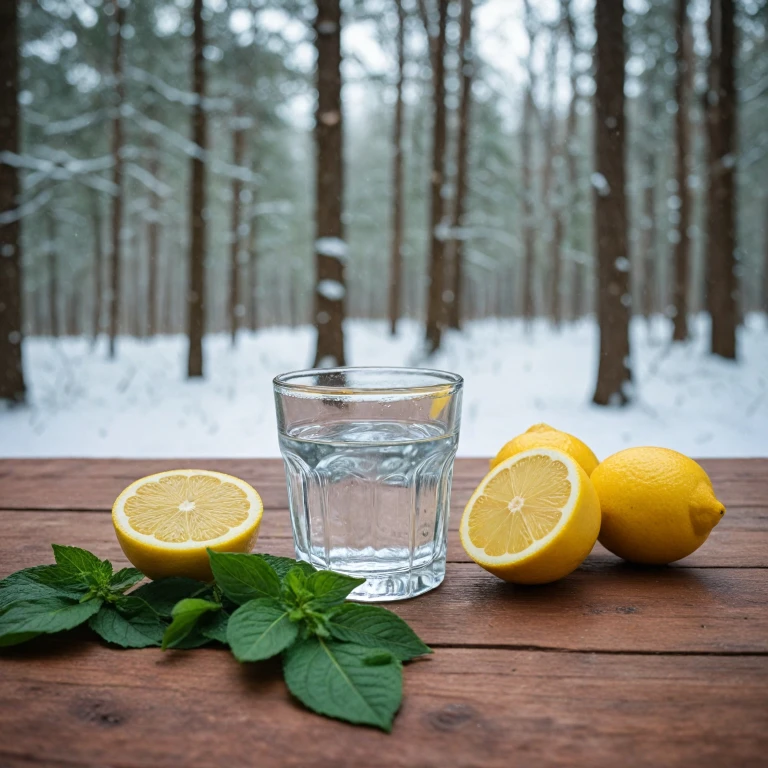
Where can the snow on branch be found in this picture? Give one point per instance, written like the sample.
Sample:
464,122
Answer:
190,149
151,182
26,208
176,95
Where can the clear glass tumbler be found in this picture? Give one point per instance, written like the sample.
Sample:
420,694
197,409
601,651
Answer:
369,459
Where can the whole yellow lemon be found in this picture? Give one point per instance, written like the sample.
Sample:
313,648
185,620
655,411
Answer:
657,505
544,436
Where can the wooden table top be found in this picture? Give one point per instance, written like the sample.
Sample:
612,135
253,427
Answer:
614,665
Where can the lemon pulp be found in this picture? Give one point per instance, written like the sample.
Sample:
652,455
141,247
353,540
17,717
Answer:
533,518
516,508
166,522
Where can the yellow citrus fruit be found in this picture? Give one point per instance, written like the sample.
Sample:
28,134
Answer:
658,505
165,522
544,436
533,519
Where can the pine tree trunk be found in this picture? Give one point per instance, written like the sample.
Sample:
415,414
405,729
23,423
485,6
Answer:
253,262
168,295
73,309
12,386
614,373
722,285
765,259
682,136
555,197
238,148
98,266
527,192
117,179
153,247
330,247
396,264
39,302
196,292
648,225
53,277
571,185
436,283
467,64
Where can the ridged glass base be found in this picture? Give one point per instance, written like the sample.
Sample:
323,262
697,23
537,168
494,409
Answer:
399,585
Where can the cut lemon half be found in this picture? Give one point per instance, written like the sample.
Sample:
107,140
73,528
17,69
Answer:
165,522
533,519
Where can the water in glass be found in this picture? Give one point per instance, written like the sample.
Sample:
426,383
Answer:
371,498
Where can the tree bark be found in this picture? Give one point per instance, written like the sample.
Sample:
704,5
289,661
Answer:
467,64
12,387
330,247
253,262
527,192
436,284
53,276
722,286
153,246
196,292
648,226
117,179
238,149
98,265
554,198
571,185
168,295
396,264
614,372
682,137
765,259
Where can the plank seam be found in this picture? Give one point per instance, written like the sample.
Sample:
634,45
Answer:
604,651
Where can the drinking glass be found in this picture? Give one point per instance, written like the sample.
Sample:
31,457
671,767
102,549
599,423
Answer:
368,460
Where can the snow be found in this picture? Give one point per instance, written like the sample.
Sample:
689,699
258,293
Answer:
141,405
332,290
334,247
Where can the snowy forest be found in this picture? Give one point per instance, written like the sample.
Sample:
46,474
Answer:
201,168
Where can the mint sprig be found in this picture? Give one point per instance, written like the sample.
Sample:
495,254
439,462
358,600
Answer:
340,659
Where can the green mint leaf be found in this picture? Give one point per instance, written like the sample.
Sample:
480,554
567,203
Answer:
82,566
281,565
379,659
24,620
329,589
243,577
129,622
260,629
32,584
214,627
185,616
292,590
334,679
163,594
375,627
124,579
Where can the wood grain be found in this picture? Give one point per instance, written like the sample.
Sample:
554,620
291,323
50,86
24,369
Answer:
605,605
739,541
614,665
94,484
461,708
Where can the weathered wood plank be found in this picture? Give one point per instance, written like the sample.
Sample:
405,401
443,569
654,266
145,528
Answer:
94,706
95,483
739,541
604,605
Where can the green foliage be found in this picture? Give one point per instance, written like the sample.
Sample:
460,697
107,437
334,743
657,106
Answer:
340,659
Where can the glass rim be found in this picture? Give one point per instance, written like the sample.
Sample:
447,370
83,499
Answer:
446,383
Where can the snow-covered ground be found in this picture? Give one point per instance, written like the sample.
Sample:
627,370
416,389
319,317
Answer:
140,405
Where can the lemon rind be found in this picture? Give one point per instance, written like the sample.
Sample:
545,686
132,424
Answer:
479,555
120,519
